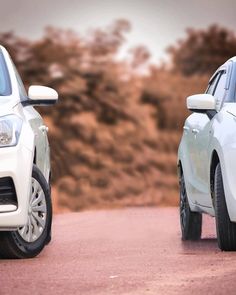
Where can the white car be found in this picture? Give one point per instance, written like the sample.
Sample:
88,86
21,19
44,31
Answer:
207,159
25,201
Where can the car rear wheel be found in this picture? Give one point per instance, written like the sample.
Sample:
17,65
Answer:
29,240
226,230
191,222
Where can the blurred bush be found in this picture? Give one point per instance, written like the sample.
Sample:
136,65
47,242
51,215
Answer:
115,132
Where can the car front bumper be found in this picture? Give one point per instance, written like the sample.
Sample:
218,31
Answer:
16,162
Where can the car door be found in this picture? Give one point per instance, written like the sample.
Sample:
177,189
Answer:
202,133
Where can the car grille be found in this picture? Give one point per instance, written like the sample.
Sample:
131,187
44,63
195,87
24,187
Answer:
7,191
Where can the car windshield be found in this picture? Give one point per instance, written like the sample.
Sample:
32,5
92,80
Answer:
5,85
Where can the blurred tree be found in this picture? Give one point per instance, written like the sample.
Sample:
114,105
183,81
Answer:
105,43
167,91
140,56
203,51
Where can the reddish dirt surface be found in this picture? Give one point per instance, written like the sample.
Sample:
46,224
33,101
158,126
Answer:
131,251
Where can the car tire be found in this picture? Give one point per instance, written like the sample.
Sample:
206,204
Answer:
28,244
190,222
226,230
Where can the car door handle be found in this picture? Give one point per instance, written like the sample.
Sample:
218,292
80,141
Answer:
186,128
43,128
195,131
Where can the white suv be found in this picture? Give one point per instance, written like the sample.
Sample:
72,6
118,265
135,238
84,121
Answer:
207,159
25,201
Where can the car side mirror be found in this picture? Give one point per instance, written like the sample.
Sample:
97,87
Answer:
41,95
201,103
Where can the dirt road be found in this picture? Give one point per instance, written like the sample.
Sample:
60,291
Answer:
131,251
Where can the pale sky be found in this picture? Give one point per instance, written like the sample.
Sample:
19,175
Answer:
155,23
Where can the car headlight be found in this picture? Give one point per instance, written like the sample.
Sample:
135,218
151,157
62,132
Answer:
10,128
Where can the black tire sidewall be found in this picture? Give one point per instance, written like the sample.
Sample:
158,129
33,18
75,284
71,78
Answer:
218,177
192,228
225,228
184,227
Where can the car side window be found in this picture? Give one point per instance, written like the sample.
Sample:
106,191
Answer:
211,86
219,91
5,83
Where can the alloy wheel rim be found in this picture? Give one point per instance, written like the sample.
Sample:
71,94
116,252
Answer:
37,214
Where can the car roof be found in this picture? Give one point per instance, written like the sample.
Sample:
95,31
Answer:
224,65
233,59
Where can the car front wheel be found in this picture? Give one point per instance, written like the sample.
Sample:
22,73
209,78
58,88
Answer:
29,240
226,230
191,222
